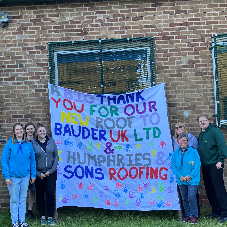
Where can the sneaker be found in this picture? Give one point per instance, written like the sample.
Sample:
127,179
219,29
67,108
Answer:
43,221
30,215
51,221
15,225
24,224
193,220
187,219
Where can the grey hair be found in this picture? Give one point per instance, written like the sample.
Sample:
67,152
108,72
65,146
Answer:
183,135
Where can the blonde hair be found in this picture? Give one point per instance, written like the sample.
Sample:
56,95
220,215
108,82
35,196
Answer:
14,136
180,124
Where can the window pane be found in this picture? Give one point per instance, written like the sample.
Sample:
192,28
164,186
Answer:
222,82
103,66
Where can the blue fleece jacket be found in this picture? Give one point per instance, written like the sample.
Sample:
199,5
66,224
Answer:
18,160
191,166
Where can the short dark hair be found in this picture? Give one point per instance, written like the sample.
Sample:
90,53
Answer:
182,135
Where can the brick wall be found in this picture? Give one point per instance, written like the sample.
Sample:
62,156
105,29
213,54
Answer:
182,32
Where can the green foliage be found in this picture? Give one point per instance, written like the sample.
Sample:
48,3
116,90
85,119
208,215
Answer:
90,217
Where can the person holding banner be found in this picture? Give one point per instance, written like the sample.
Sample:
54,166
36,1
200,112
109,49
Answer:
30,134
185,164
18,167
46,155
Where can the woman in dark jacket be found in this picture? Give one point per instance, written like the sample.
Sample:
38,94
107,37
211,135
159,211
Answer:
46,155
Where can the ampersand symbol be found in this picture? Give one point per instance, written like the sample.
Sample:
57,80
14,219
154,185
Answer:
108,146
160,160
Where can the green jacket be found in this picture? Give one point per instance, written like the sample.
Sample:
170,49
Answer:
212,146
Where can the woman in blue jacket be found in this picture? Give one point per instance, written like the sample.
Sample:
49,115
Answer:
185,164
18,166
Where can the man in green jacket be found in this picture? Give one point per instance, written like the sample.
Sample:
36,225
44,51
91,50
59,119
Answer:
213,152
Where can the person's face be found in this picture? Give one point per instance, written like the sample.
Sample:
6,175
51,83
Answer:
19,131
41,132
179,129
30,130
183,142
203,122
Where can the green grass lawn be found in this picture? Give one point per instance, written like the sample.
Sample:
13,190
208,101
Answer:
79,217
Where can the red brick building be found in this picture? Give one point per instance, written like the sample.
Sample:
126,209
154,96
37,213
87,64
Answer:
182,32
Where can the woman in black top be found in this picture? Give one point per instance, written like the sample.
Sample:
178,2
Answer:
46,155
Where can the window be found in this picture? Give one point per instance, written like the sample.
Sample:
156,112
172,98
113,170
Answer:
103,66
219,51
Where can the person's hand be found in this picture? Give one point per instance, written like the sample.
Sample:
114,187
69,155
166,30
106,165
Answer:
218,165
182,178
42,176
187,178
8,182
47,174
32,180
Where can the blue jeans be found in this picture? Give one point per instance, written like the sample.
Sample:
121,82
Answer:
188,193
18,193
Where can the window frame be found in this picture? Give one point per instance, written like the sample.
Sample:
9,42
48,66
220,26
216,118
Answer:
55,51
218,40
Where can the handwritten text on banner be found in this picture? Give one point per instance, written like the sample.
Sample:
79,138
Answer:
114,150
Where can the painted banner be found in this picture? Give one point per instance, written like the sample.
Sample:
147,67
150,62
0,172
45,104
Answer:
114,150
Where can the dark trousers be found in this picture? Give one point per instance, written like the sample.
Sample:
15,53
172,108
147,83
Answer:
215,189
48,185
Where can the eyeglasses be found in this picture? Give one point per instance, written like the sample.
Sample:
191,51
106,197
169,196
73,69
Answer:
203,121
179,127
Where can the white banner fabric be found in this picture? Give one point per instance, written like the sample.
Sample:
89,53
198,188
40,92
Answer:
114,150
